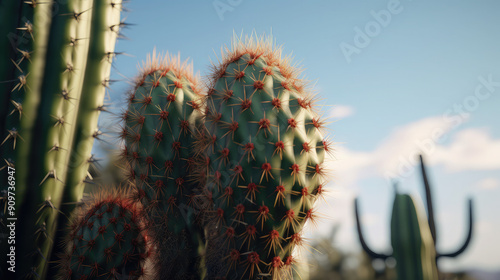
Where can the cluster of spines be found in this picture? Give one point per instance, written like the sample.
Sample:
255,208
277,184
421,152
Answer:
264,158
163,112
53,95
107,240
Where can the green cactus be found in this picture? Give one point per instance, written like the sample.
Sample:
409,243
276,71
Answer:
54,71
411,240
413,236
264,160
107,240
163,113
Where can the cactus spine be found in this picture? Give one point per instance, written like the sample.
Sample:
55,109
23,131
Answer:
264,160
61,56
413,240
163,113
107,240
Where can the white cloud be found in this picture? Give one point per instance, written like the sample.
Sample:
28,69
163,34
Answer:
471,149
488,184
341,112
394,157
397,155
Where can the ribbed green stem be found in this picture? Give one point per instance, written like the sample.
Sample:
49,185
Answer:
104,31
412,243
43,177
59,115
71,90
54,124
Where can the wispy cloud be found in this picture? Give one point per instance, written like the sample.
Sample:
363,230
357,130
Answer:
470,149
394,156
397,155
341,112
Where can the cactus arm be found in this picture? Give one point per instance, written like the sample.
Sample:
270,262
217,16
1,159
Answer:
72,86
428,198
467,240
71,91
104,31
45,181
61,95
365,246
39,119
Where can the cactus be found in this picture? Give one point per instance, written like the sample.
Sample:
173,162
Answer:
264,154
413,237
411,240
164,111
413,247
107,240
54,71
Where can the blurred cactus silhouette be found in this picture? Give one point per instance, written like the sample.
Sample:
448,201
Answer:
327,262
413,241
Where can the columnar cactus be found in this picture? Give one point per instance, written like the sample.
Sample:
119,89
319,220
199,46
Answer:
413,237
164,111
107,240
411,240
54,70
264,159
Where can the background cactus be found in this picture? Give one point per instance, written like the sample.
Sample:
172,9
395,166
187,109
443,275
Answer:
54,72
413,247
107,240
264,159
164,111
413,237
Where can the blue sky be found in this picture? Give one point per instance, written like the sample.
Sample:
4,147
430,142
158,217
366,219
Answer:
424,67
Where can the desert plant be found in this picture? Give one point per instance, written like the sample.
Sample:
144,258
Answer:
54,70
107,240
163,113
264,153
243,165
413,247
413,237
